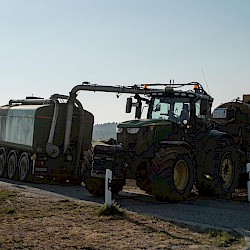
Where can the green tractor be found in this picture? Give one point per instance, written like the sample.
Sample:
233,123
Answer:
172,149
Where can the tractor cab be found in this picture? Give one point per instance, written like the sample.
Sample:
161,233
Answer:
186,108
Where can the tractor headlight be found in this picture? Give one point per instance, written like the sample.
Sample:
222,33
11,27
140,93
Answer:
119,130
133,130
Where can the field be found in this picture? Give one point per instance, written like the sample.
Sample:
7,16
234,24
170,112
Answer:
32,221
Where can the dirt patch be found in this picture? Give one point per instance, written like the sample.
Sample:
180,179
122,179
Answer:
32,221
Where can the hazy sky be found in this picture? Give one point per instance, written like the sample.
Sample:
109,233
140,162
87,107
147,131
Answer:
49,46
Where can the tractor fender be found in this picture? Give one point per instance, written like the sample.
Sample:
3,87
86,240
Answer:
214,137
175,144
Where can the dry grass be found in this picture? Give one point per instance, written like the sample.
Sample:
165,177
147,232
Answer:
31,221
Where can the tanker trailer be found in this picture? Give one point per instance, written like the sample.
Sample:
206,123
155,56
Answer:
32,132
234,118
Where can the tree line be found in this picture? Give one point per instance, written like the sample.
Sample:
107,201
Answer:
104,131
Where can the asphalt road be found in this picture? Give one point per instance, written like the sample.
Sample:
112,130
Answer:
201,211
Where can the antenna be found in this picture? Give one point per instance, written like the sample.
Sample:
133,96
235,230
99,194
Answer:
171,81
205,81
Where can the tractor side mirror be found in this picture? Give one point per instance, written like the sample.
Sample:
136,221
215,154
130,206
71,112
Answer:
204,107
129,105
138,109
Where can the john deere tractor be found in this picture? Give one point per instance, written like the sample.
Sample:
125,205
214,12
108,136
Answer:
172,149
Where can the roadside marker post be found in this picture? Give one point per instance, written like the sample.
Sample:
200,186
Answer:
108,193
248,182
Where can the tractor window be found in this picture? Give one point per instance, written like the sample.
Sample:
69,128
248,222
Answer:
170,109
181,111
197,111
160,110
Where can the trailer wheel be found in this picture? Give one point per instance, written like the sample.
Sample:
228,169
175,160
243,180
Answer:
24,168
172,174
2,165
12,165
222,166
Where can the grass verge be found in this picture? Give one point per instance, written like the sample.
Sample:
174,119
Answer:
39,222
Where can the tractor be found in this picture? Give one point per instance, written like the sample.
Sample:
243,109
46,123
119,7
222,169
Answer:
174,148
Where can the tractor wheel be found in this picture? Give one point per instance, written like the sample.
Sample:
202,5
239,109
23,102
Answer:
95,186
142,177
220,176
172,174
117,185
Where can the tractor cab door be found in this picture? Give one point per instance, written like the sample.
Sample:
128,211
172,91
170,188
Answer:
201,116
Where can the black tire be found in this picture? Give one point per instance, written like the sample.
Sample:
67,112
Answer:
220,175
95,186
117,185
2,165
12,165
142,176
24,168
172,174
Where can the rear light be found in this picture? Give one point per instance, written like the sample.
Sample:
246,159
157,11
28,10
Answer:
39,163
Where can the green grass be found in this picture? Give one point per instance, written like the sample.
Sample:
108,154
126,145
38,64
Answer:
6,198
6,194
113,210
223,238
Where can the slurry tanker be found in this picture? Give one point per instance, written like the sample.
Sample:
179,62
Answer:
32,132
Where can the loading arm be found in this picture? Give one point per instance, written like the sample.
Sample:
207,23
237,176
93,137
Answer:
94,88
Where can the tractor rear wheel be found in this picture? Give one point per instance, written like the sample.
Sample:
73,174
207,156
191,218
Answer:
220,175
172,174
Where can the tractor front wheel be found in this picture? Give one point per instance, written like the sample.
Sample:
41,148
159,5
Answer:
172,174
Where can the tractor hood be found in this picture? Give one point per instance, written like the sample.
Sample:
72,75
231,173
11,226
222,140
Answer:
143,135
142,123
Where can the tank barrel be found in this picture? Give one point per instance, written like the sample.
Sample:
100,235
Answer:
30,101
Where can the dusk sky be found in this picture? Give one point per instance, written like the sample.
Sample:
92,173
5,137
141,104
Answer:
49,46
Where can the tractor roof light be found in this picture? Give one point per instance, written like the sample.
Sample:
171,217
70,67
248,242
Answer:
196,87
